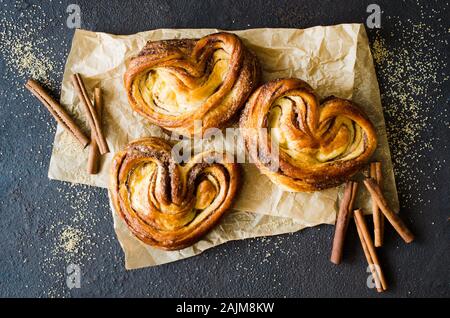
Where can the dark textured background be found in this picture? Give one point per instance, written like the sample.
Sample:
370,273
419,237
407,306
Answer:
34,211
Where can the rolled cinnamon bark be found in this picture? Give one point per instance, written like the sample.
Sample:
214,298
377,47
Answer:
57,111
369,251
91,115
378,218
94,154
390,215
342,221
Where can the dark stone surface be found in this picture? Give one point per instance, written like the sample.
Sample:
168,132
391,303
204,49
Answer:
34,211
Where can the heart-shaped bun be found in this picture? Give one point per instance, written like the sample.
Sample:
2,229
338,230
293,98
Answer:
166,204
175,82
320,145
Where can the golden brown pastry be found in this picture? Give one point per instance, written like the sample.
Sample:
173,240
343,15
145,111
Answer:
174,82
320,145
167,205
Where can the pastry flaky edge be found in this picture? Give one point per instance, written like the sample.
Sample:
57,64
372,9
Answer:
220,108
303,177
171,193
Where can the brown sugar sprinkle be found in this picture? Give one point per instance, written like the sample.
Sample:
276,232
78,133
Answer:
74,236
412,75
70,239
25,53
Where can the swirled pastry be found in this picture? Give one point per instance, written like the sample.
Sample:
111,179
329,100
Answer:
165,204
319,145
175,82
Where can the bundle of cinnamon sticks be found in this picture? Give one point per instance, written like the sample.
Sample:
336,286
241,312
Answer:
93,112
380,210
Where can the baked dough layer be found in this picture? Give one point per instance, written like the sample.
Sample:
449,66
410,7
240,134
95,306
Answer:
175,82
320,145
166,204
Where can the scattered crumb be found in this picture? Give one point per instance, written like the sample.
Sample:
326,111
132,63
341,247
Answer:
26,54
380,52
70,239
74,235
411,82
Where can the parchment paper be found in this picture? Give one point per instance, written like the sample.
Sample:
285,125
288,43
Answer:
335,60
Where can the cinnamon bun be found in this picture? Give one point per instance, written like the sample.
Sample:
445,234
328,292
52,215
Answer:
319,145
175,82
165,204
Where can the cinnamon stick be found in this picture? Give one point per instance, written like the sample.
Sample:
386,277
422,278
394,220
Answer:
378,218
91,114
379,174
393,218
342,221
94,154
353,197
369,251
57,111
